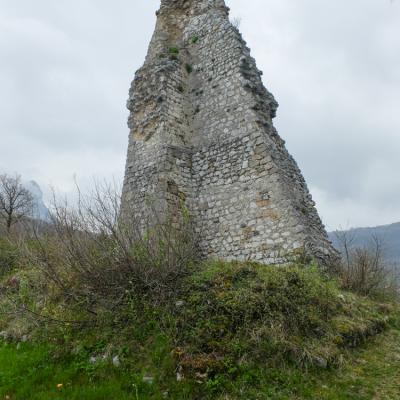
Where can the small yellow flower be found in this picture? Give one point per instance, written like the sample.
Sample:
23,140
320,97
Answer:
60,386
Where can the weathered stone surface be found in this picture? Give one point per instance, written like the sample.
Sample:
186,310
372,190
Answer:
202,135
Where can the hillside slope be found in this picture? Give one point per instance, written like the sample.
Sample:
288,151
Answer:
231,331
370,373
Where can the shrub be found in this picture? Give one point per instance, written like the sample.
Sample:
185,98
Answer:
97,259
364,269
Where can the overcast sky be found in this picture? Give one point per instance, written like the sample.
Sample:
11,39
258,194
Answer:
334,67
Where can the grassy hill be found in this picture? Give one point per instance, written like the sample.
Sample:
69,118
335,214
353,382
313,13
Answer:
231,331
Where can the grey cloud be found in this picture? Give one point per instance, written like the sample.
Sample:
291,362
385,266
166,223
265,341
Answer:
334,68
66,66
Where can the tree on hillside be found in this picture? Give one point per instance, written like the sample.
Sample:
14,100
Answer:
16,202
364,269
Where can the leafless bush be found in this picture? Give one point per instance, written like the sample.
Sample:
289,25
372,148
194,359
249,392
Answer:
97,259
364,269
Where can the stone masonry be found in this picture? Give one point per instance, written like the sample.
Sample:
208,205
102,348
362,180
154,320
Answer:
201,137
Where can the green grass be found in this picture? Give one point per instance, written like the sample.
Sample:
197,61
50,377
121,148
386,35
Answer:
33,372
372,373
233,331
237,313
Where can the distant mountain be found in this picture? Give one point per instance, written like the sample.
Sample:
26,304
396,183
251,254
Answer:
390,234
40,211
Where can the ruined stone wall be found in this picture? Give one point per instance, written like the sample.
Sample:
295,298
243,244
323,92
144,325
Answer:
202,136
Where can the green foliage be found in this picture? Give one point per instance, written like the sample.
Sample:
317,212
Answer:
173,53
195,39
173,50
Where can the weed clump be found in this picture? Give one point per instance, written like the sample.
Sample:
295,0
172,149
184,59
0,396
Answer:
173,53
173,50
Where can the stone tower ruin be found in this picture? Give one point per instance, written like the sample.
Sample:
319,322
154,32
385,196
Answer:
201,136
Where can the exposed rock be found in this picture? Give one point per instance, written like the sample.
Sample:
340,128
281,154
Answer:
148,379
321,362
116,361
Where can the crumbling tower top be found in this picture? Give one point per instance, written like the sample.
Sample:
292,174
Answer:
185,5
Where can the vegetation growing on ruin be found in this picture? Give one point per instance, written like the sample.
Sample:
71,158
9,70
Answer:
91,309
229,329
173,50
189,68
233,330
